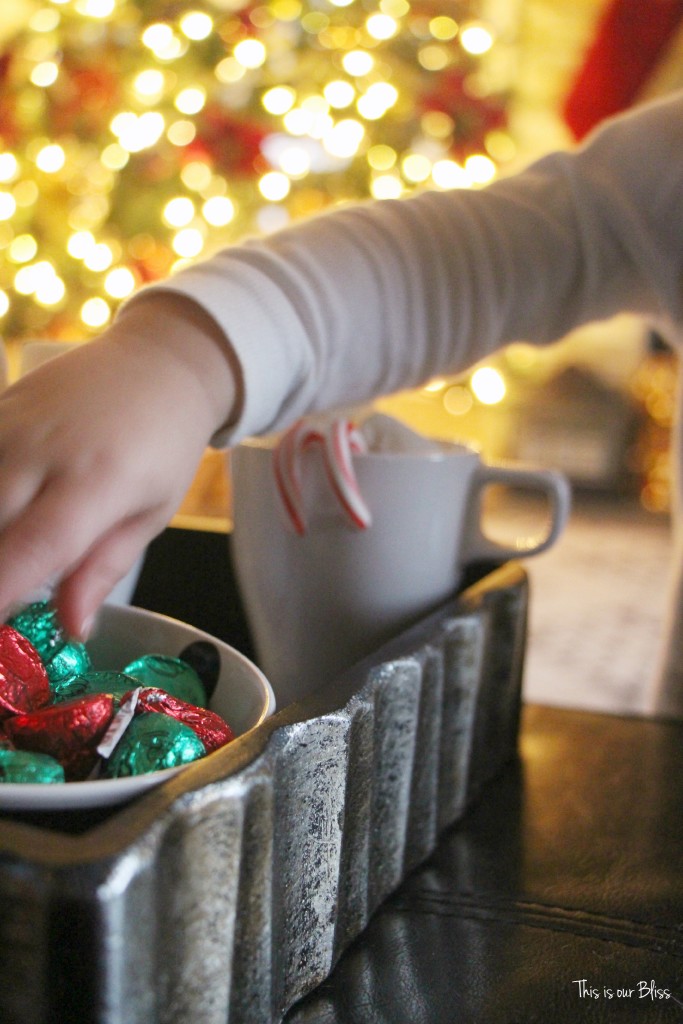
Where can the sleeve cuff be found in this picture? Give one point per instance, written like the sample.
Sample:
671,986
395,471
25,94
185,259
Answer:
262,328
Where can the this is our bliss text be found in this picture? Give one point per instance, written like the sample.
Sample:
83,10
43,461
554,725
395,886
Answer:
641,990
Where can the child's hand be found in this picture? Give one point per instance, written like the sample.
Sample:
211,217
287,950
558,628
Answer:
98,447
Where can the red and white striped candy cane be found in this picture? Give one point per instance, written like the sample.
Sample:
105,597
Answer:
339,441
287,469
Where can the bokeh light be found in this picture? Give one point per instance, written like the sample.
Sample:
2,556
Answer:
142,137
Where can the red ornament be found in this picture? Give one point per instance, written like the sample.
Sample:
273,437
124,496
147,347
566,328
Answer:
473,116
9,129
82,99
230,143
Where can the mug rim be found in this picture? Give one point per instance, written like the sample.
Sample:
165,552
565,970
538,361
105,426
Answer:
447,449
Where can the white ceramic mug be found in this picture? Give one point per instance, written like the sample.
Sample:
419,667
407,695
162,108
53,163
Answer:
317,603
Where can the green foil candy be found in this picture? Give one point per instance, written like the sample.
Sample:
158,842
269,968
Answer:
24,766
151,743
38,623
103,681
64,659
173,675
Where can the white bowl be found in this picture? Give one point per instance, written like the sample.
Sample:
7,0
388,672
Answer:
243,697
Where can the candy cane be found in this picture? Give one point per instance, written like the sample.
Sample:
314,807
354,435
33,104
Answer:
287,470
339,440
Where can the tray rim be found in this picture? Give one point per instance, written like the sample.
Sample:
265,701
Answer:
148,814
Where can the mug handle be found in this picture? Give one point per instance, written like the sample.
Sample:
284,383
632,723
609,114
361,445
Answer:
554,485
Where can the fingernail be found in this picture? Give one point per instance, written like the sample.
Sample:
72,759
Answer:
86,627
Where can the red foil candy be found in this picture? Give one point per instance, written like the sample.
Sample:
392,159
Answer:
68,732
24,683
213,731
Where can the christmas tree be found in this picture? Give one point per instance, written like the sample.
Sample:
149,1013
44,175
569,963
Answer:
136,135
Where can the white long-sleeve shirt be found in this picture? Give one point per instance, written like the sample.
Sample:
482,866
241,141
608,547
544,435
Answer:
377,297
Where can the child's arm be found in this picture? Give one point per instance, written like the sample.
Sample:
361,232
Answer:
98,447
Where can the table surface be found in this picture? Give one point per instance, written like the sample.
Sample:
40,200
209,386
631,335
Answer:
598,603
558,898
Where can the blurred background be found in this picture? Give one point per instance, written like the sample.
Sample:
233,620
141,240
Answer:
139,135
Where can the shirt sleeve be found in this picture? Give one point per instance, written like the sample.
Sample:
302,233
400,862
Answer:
380,296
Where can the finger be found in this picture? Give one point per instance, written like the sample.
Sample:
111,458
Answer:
83,590
49,537
18,488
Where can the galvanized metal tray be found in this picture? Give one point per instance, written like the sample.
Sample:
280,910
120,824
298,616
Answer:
230,891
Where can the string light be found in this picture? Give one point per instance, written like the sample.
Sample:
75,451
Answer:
188,242
179,212
442,27
377,100
358,63
80,244
181,133
196,25
9,166
51,158
149,84
457,400
218,211
481,169
274,186
45,73
381,26
196,175
344,138
45,19
95,312
158,37
119,283
190,100
250,53
279,99
476,38
447,174
23,248
229,70
99,257
386,186
8,205
339,94
381,157
416,167
488,385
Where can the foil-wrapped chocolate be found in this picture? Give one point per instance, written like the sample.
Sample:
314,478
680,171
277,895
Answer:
171,674
25,766
103,681
24,684
151,743
212,730
64,659
68,731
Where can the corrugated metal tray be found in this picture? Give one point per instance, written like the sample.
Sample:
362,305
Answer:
229,892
